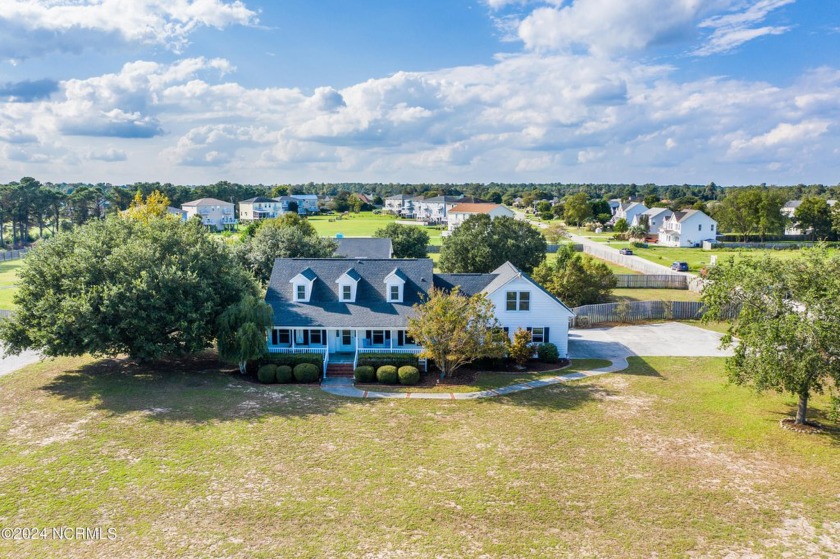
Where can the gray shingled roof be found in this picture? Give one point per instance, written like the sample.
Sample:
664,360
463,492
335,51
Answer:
364,247
258,199
324,308
470,283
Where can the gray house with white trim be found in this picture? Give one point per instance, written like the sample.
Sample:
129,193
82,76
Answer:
344,307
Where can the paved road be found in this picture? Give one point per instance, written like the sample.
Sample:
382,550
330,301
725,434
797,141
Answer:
647,340
11,363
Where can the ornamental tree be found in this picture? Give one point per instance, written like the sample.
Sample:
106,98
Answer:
785,337
241,331
455,330
122,286
576,279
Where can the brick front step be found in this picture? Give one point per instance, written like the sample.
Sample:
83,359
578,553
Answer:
340,370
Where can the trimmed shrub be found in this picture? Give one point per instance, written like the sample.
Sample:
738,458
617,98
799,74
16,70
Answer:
293,359
408,374
365,373
548,353
284,374
267,373
387,374
377,360
306,372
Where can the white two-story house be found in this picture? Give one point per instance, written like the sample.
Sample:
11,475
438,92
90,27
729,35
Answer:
655,217
341,308
214,213
688,228
629,211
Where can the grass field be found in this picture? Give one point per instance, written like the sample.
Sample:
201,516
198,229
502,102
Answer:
363,224
8,282
654,295
664,460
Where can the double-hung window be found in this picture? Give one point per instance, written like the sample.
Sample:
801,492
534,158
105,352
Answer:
518,301
301,292
346,293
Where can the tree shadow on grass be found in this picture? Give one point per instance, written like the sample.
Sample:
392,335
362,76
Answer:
192,390
639,367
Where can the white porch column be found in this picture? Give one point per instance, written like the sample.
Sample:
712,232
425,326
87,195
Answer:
294,333
393,334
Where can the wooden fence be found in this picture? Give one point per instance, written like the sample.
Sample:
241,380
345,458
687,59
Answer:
651,281
636,311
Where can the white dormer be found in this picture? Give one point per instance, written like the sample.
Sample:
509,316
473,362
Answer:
347,284
302,285
395,286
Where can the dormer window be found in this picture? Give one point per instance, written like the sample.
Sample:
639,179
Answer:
347,284
395,286
302,285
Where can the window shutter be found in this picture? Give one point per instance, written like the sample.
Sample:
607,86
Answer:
274,337
529,329
387,334
367,334
545,335
400,337
324,337
306,337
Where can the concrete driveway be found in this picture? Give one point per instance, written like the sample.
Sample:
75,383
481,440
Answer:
11,363
673,339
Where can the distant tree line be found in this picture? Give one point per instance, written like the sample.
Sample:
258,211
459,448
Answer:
30,210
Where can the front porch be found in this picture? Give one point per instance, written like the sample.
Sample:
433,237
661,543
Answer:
340,345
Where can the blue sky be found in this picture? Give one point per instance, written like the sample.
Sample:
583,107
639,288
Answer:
667,91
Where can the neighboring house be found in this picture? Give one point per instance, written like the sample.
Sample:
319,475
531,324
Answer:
687,229
364,247
789,209
437,208
401,204
656,218
343,307
307,203
461,212
615,203
261,207
628,211
364,198
180,214
214,213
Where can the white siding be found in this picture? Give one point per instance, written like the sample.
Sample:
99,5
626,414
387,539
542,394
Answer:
544,312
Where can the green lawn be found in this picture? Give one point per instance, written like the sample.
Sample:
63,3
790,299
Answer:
664,461
654,295
698,258
363,224
8,282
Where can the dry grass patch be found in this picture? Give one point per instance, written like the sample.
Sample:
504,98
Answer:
186,461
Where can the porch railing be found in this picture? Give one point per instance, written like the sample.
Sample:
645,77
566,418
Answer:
413,351
322,350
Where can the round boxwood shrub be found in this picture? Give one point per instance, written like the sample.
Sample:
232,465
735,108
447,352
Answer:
548,353
306,372
284,374
387,374
408,375
365,374
267,373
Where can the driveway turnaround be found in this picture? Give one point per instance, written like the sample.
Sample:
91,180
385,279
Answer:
671,339
11,363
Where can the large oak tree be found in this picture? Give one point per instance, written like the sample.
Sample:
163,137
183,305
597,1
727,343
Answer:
122,286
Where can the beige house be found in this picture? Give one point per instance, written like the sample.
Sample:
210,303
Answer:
461,212
214,213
